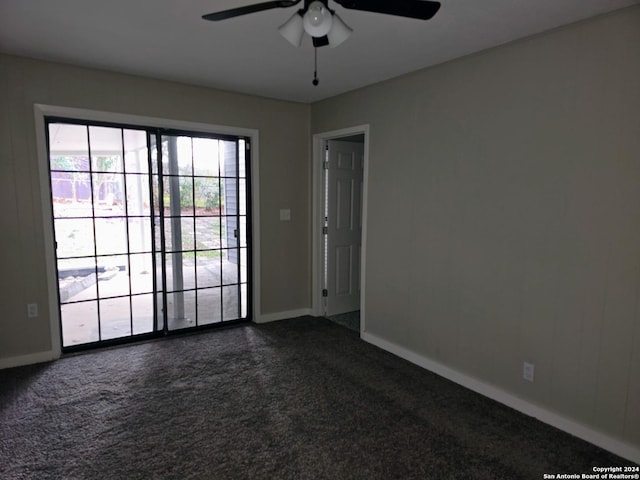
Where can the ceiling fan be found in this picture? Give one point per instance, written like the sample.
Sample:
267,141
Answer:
322,24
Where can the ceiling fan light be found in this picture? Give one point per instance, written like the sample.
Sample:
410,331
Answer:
339,32
293,30
317,20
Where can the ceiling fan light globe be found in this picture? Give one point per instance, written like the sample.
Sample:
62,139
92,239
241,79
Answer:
317,20
293,30
339,32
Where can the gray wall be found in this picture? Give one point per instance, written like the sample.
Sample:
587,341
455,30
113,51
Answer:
504,216
284,174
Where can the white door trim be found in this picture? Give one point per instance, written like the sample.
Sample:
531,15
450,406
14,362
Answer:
42,111
317,214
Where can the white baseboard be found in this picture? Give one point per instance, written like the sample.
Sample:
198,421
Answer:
272,317
613,445
39,357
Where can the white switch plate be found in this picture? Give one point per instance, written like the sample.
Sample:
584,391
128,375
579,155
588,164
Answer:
32,310
285,214
528,370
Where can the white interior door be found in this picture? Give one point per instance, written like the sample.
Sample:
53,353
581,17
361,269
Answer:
343,223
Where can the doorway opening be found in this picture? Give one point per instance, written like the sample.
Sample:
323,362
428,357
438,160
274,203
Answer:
151,230
340,166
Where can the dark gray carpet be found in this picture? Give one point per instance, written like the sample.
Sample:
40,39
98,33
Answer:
297,399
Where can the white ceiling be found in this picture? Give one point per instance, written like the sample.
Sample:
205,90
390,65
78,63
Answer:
168,39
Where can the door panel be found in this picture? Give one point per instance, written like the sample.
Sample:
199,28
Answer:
201,229
344,225
102,229
344,280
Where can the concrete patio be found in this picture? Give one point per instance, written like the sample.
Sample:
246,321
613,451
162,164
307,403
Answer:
126,302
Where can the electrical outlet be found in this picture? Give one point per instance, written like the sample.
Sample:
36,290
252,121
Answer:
32,310
285,214
528,371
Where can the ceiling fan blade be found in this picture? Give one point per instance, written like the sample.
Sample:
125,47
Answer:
420,9
258,7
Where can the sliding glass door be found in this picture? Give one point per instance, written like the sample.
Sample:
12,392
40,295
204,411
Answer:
150,228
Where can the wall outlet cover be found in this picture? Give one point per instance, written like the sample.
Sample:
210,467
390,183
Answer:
32,310
528,370
285,214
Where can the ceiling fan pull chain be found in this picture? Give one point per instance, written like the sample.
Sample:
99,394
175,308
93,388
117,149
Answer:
315,67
